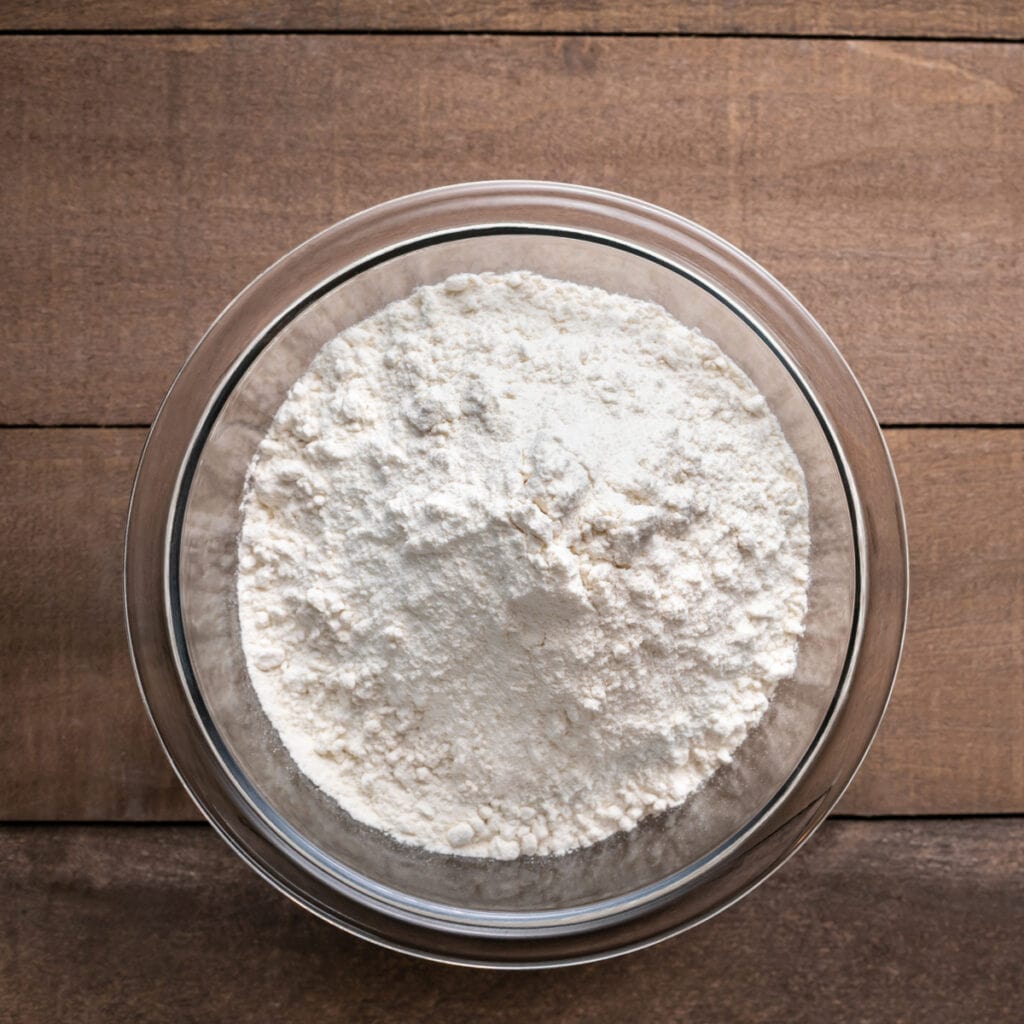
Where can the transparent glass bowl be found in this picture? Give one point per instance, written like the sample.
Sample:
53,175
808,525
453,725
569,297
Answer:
633,889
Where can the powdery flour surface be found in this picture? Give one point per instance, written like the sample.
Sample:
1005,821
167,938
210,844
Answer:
521,563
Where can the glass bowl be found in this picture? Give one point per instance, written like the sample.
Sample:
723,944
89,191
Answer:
630,890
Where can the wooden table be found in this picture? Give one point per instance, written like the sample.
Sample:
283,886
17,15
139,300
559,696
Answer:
155,157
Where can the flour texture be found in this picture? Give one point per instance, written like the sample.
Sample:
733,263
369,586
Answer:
522,562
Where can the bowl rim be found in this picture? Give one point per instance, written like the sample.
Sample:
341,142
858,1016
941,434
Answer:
174,703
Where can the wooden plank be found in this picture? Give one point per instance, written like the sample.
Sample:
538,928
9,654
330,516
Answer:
146,180
74,739
953,737
916,18
873,921
75,744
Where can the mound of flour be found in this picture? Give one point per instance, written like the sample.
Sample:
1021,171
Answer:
521,563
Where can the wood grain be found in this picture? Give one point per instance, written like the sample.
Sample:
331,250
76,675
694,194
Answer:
147,179
952,740
74,739
873,921
917,18
75,744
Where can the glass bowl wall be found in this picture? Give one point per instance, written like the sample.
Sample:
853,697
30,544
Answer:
632,888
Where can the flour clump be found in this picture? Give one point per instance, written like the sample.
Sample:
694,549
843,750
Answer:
521,563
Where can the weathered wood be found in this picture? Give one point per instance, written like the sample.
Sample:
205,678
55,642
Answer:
873,921
953,737
75,744
916,18
147,179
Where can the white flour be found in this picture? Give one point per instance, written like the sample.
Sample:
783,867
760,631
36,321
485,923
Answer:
521,563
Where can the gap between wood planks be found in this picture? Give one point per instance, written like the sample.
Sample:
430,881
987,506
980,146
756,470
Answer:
909,19
146,426
519,33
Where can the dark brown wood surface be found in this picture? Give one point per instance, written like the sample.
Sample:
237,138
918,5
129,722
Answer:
875,921
149,171
952,741
76,745
970,18
147,178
